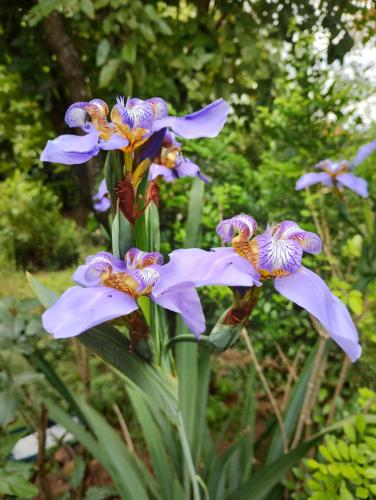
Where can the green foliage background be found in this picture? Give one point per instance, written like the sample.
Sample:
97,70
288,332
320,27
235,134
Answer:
291,107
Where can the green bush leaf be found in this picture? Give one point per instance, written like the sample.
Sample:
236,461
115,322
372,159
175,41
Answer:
108,72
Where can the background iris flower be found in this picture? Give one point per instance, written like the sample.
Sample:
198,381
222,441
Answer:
339,173
101,198
171,164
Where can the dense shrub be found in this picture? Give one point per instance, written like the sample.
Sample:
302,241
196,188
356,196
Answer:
33,233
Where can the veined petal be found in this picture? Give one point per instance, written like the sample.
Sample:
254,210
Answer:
89,274
355,183
78,113
137,259
71,149
187,304
309,291
207,122
138,114
363,153
80,309
275,254
158,106
310,242
144,278
311,178
193,267
244,224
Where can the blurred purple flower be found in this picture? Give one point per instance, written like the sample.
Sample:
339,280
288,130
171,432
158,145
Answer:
276,254
171,164
132,123
340,173
101,198
109,288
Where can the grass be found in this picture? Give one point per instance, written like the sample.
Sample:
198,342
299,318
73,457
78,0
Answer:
15,283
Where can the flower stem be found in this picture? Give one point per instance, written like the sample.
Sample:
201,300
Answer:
268,391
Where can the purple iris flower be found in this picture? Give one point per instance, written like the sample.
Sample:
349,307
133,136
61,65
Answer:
132,123
101,198
171,164
340,173
109,288
277,254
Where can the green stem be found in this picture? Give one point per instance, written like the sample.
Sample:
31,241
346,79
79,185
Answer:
128,162
187,337
188,458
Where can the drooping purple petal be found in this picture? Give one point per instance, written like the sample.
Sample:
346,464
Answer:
80,309
309,291
311,178
101,200
207,122
102,189
355,183
71,149
244,224
102,205
89,274
275,254
157,170
186,168
187,304
193,267
363,153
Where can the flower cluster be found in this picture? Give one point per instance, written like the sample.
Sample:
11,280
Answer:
109,288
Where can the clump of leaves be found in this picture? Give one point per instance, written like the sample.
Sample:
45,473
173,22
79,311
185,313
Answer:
345,466
33,233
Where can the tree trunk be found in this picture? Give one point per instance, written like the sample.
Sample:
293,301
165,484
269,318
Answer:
68,58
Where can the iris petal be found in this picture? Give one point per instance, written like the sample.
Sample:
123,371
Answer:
187,304
312,178
355,183
244,224
193,267
278,254
71,149
207,122
309,291
80,309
